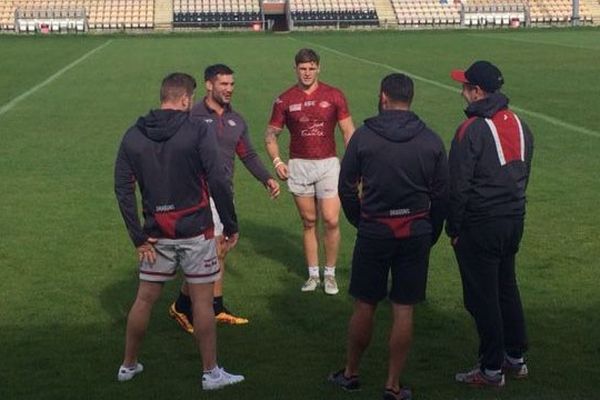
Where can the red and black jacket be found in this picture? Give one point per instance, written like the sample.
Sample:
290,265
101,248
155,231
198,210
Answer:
402,167
175,162
490,161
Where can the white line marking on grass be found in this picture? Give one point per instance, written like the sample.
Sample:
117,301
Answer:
543,117
11,104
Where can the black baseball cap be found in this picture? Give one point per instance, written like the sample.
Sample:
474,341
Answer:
481,73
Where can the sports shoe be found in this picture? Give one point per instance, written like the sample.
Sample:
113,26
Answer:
224,379
330,284
127,373
181,319
349,384
476,377
515,370
226,317
311,284
402,394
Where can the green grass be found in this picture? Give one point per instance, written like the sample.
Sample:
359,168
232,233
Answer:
68,268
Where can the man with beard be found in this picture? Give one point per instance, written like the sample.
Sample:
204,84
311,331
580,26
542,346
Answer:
232,136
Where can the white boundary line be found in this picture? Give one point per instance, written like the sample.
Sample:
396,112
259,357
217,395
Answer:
543,117
11,104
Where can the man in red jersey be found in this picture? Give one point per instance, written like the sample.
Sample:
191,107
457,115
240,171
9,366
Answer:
311,110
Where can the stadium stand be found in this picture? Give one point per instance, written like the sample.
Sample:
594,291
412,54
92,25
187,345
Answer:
7,16
426,12
553,11
482,13
216,13
94,14
535,12
333,13
487,13
593,6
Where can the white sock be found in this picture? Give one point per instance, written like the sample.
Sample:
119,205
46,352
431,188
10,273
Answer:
492,372
313,272
329,271
513,360
213,373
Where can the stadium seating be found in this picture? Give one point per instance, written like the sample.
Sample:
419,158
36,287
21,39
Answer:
426,12
552,11
333,13
540,11
99,14
141,14
216,13
481,13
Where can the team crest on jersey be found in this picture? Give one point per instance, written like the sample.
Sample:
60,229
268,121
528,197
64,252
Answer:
231,122
324,104
295,107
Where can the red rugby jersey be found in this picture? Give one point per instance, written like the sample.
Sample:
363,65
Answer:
311,119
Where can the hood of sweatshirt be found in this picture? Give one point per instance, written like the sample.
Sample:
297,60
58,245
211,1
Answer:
488,107
396,125
161,125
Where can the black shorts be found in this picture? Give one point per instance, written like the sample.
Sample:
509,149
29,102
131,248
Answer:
408,260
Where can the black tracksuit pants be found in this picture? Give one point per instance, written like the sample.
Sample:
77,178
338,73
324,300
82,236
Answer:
486,257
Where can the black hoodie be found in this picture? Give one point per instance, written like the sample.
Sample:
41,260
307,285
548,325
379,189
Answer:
490,160
402,167
175,161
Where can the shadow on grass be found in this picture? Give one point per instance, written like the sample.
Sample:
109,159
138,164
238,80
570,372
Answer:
277,244
287,351
288,355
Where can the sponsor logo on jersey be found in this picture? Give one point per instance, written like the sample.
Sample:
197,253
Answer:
315,129
231,122
310,103
164,208
208,120
324,104
295,107
399,211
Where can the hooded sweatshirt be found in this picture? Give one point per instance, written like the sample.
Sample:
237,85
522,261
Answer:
394,178
175,162
490,160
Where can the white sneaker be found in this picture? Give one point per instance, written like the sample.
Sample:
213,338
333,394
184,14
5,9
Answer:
311,284
331,286
224,379
127,373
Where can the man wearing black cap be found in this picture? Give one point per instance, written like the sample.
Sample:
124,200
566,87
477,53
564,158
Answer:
490,162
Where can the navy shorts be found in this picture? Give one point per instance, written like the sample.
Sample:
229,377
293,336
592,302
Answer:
408,260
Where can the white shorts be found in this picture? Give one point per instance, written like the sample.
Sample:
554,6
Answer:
216,219
196,256
314,178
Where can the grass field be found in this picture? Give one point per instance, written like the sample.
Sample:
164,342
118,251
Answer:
68,267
